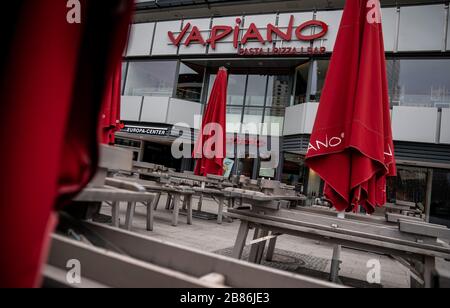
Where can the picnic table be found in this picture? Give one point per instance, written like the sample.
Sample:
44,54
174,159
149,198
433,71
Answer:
116,192
134,260
412,242
178,196
210,186
404,207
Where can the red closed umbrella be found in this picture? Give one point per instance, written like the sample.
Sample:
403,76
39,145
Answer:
351,144
52,83
210,149
110,114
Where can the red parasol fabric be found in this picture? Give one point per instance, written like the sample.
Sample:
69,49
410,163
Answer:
52,83
110,114
210,149
351,145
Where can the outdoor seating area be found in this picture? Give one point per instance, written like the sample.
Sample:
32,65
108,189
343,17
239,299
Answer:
222,149
272,210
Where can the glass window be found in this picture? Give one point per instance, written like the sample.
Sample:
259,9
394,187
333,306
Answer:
234,117
190,82
236,89
410,185
256,90
124,75
274,121
212,79
440,198
301,85
252,120
294,171
266,172
419,82
322,70
245,167
315,186
154,78
278,91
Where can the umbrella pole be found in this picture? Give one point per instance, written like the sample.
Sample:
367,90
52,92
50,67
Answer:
335,264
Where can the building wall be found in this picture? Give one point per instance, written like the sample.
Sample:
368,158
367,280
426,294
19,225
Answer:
408,31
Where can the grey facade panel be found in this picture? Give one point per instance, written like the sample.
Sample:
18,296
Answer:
448,29
422,28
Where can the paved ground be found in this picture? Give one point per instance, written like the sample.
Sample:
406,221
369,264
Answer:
293,254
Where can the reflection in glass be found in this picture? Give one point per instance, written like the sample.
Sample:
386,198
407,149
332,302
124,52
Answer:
440,198
190,82
234,117
278,94
301,85
212,79
236,89
256,90
295,172
410,185
322,70
421,83
252,120
274,121
154,78
245,167
124,75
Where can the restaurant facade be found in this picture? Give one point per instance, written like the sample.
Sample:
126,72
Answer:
277,55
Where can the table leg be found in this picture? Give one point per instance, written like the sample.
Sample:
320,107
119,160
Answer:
335,264
255,248
271,249
169,201
156,201
200,203
429,267
131,208
220,213
240,240
261,247
176,209
115,214
190,201
150,214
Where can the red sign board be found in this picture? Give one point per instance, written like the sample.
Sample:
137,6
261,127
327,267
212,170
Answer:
189,35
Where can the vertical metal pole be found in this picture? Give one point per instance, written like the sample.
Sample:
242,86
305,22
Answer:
335,264
429,267
429,193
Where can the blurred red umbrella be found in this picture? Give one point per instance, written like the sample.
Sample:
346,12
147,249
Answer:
351,145
110,114
210,149
53,76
